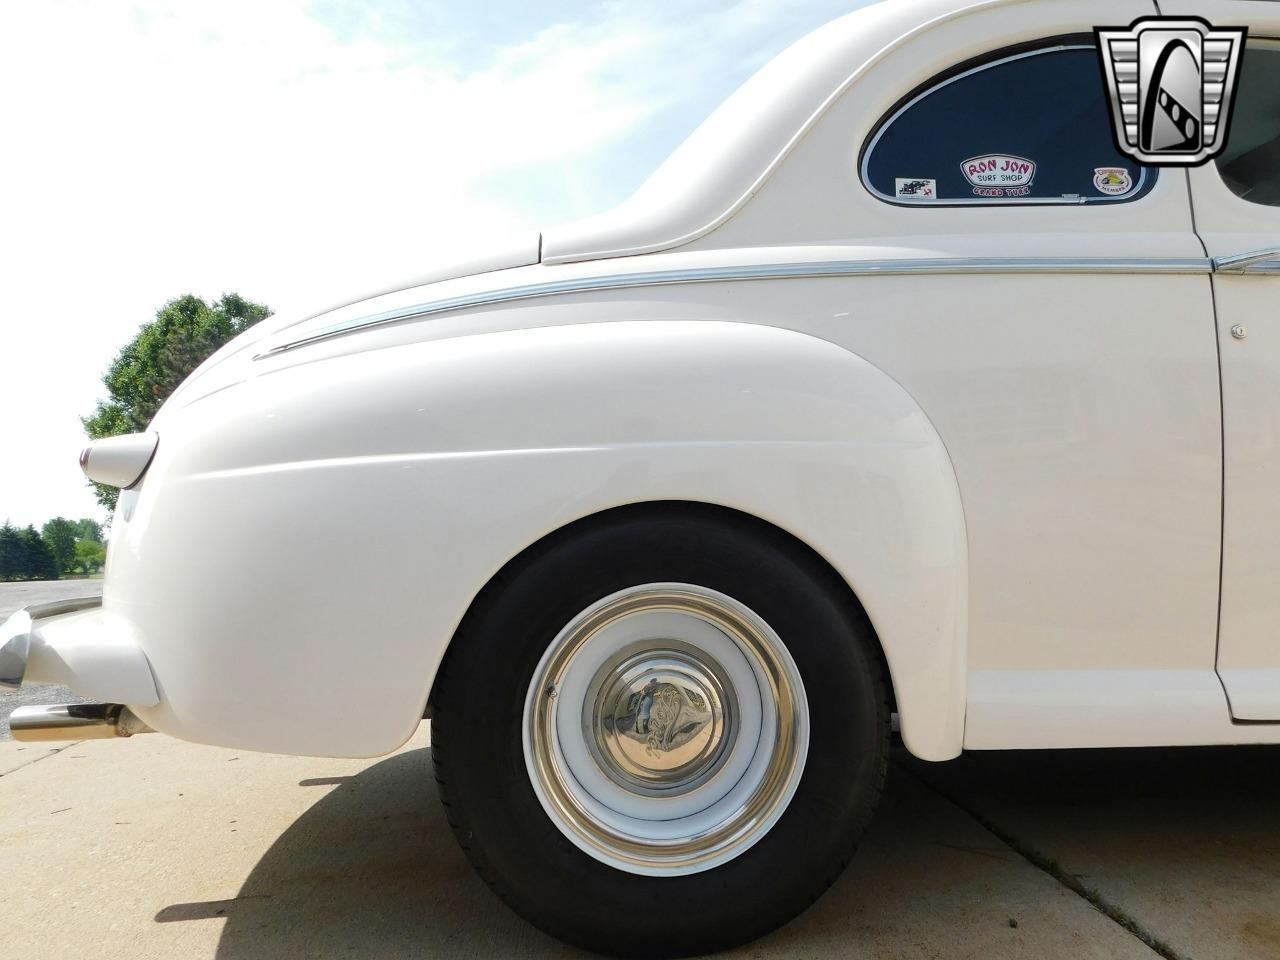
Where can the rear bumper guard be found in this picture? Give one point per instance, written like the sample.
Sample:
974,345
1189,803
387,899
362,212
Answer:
15,636
79,645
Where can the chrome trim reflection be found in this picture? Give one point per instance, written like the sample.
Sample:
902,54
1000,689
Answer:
56,608
15,635
661,719
15,647
74,721
1255,261
624,837
778,271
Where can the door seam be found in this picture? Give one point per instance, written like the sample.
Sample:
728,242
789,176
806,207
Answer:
1222,446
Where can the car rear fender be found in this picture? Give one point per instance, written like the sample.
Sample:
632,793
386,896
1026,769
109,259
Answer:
304,545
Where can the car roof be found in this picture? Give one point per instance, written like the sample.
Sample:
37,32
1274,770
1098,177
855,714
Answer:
727,158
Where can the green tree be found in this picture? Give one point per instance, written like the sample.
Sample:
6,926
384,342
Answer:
87,529
152,364
13,553
40,563
90,556
61,535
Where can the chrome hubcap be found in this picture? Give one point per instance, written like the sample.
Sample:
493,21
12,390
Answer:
665,729
659,720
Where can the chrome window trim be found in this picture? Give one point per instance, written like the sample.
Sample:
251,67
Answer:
779,271
885,124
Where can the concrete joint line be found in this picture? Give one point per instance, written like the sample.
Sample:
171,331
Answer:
1046,864
51,753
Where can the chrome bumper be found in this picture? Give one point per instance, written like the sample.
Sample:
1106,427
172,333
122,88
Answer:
72,642
15,636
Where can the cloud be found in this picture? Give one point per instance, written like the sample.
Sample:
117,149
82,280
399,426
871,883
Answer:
294,152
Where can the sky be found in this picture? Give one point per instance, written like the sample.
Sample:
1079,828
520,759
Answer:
300,151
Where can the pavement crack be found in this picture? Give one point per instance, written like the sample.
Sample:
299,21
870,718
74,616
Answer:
44,756
1046,864
975,851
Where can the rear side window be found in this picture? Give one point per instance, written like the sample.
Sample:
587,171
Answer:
1033,127
1250,164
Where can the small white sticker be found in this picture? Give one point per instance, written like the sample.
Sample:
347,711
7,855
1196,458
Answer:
1112,180
999,175
915,188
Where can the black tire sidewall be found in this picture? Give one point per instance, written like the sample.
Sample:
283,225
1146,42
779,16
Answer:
534,866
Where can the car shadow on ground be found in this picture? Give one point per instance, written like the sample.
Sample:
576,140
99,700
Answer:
373,871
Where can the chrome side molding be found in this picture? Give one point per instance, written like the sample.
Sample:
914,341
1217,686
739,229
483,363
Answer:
778,271
56,608
1254,262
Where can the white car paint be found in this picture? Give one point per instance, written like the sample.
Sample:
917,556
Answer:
1249,640
1001,426
387,513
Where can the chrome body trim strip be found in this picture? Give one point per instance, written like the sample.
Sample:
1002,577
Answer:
1255,261
779,271
42,611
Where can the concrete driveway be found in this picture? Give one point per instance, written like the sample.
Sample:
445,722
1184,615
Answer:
153,848
150,847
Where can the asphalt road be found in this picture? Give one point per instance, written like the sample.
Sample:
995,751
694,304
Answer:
15,596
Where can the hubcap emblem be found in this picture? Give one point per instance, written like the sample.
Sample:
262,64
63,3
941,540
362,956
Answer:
660,720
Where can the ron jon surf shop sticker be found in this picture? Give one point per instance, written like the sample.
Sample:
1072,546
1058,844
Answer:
999,175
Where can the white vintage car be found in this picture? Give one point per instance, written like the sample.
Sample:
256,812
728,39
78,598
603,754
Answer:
898,388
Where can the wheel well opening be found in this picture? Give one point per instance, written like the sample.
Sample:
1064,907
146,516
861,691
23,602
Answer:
835,584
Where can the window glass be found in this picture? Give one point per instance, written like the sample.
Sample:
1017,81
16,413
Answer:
1029,128
1250,164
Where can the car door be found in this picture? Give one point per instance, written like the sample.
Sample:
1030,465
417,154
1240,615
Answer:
1236,200
1080,408
1047,303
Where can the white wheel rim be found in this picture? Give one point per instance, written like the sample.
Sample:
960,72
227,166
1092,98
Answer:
665,729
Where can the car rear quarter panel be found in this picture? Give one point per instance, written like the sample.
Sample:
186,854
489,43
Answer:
304,545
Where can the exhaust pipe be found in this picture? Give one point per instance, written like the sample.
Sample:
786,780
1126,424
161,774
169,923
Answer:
75,721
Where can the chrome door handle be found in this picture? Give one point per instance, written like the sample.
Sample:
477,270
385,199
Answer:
1256,261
